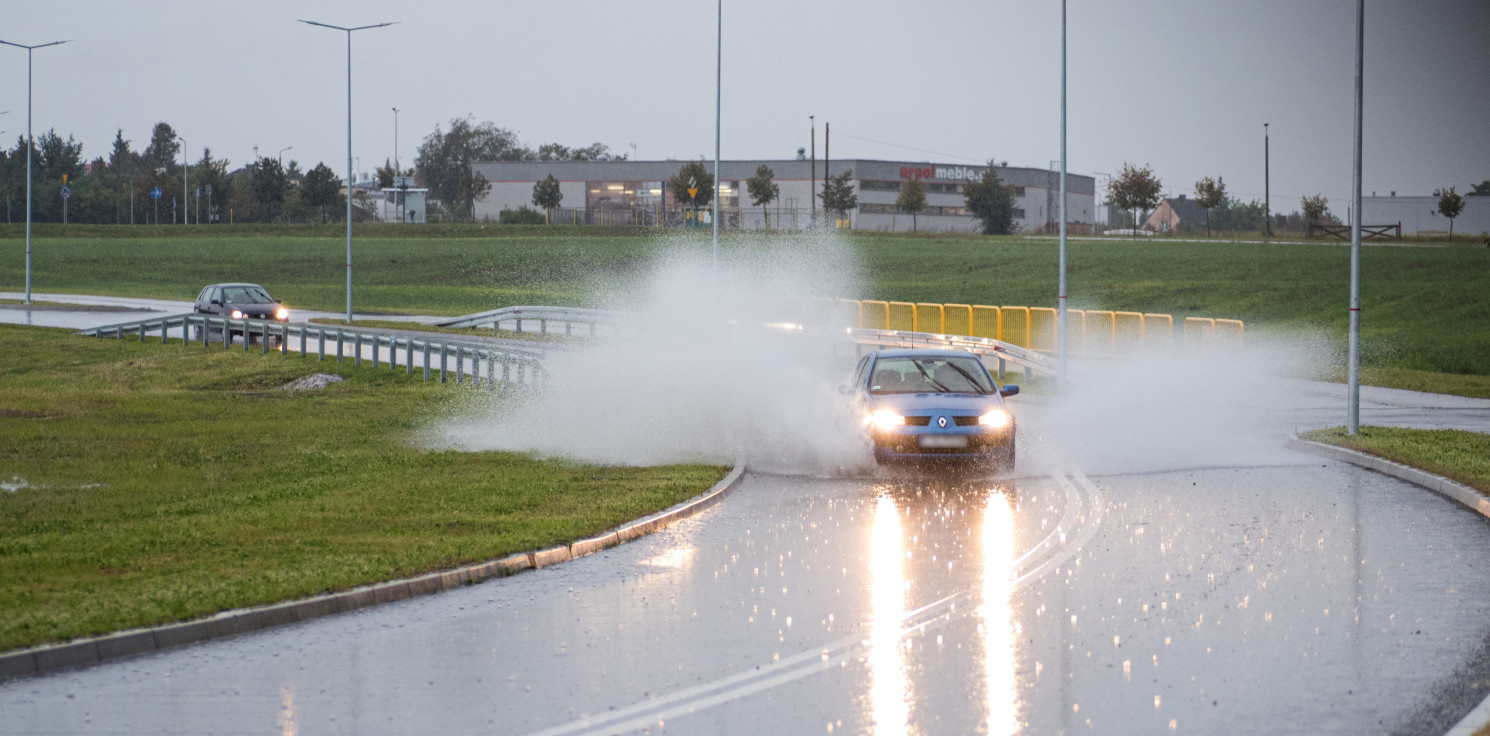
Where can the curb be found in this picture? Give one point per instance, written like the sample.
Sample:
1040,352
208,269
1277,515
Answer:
1480,716
93,650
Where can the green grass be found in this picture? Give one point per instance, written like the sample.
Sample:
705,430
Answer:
156,483
1452,453
1423,308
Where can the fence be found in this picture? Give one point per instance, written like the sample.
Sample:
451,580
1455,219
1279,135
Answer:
509,364
1091,332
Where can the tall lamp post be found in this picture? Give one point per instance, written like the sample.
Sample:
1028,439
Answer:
1353,370
185,185
29,146
1267,197
812,193
281,156
718,95
351,177
1060,339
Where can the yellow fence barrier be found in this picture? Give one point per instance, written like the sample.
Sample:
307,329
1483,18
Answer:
1091,331
903,316
1014,325
987,322
929,318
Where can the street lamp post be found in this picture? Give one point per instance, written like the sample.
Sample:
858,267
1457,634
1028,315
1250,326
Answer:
282,156
1353,370
29,146
812,192
351,177
1060,339
1267,197
718,95
185,184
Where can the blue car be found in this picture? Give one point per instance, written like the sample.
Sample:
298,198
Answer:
934,406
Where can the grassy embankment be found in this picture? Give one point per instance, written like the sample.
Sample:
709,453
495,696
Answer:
1462,456
148,484
1424,308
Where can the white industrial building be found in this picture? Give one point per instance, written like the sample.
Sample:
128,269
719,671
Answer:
637,192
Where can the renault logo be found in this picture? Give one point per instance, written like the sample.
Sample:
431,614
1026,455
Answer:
941,422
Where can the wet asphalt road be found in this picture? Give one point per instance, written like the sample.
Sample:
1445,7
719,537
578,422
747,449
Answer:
1289,595
1305,597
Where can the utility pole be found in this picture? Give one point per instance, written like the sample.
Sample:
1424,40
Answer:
718,96
827,168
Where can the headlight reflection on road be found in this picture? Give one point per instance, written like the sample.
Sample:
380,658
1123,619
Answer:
996,616
889,690
287,724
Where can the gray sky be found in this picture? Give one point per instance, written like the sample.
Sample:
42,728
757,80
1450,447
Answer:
1182,86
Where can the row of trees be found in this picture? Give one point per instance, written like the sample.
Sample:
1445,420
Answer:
116,189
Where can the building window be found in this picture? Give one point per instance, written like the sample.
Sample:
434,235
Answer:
1019,213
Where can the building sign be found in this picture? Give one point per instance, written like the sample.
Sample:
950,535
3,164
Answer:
958,173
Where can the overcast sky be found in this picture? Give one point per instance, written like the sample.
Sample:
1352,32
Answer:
1182,86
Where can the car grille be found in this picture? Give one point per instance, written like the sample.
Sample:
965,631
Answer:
966,421
917,421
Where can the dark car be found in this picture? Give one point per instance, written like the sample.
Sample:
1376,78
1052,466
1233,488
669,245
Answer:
240,301
934,405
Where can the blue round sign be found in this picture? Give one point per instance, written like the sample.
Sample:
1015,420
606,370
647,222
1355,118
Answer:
66,191
155,192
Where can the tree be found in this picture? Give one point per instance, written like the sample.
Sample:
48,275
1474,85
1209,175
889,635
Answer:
912,198
991,202
1209,194
557,152
1135,189
1450,204
267,187
838,194
445,159
693,174
211,174
293,172
763,190
547,195
160,155
1479,190
1316,208
321,190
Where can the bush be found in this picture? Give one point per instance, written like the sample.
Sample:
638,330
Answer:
521,216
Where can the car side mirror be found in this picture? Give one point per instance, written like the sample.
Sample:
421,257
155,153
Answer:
217,301
1009,389
846,390
279,301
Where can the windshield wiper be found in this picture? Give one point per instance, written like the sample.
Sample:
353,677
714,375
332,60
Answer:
968,376
940,388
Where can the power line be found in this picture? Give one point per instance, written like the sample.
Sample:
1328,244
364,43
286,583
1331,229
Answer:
911,148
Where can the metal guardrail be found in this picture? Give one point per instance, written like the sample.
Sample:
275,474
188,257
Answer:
567,316
507,364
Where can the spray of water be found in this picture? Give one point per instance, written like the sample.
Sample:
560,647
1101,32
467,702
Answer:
699,376
1220,406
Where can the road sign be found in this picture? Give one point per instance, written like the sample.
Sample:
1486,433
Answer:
66,191
199,192
155,192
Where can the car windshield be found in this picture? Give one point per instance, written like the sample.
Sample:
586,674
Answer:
245,295
929,374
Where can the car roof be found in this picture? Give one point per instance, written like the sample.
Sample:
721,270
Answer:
924,353
232,283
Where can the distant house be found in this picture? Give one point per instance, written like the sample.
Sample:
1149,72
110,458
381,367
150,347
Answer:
1176,213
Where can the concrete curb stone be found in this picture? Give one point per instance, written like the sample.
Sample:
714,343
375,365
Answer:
92,650
1480,716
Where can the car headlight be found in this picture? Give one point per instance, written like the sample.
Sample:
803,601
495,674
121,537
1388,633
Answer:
885,420
998,419
237,314
282,315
